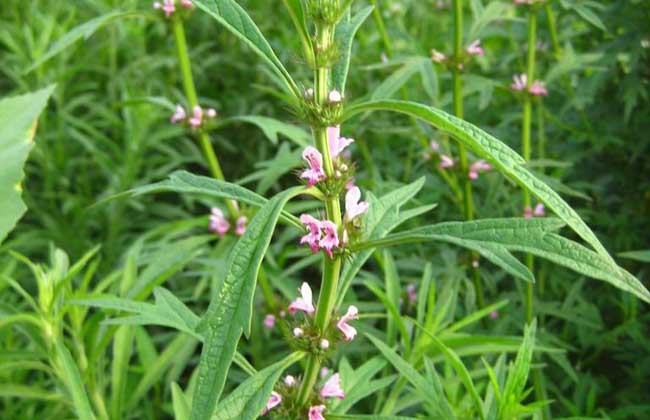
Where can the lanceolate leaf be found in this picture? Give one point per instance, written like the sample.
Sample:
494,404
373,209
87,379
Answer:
247,401
495,238
73,382
17,127
345,32
234,18
230,310
272,128
493,150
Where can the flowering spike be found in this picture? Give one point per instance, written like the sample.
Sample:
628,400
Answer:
348,331
354,207
304,302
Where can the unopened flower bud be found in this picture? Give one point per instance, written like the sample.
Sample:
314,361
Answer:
335,97
297,332
324,344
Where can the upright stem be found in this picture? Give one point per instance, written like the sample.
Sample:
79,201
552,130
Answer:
526,139
192,97
331,266
468,199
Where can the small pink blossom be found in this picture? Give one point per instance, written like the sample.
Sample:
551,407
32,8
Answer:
336,142
538,88
179,115
330,239
332,388
540,210
315,171
349,332
437,56
304,302
475,48
240,228
475,263
324,372
494,314
520,82
335,97
434,145
313,237
166,6
445,162
350,184
410,291
528,212
354,207
477,167
218,222
274,401
316,412
324,344
187,4
524,2
289,380
269,321
297,332
197,117
211,113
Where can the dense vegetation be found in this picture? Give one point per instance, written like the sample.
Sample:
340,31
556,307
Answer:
186,159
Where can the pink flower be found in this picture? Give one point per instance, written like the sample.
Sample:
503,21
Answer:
187,4
540,210
313,237
330,239
197,117
494,314
528,212
348,331
434,145
477,167
179,115
316,412
520,82
315,172
445,162
475,48
413,297
303,302
437,56
166,6
274,401
332,388
269,321
538,88
520,2
336,142
354,207
349,184
218,222
211,113
324,371
240,228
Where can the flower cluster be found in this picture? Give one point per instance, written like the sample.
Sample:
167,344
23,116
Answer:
538,211
520,84
315,173
332,387
169,6
473,49
477,167
446,162
220,225
196,120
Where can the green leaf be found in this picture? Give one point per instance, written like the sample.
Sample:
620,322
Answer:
85,31
643,255
366,417
73,382
492,12
230,310
494,151
344,37
272,128
248,399
398,79
17,128
513,391
122,348
298,17
234,18
185,182
180,403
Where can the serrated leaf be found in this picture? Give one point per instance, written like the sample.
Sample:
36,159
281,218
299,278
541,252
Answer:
344,37
17,128
234,18
230,310
248,399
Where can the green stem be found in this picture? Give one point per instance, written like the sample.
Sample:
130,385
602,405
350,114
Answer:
193,99
552,28
331,266
526,139
468,198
